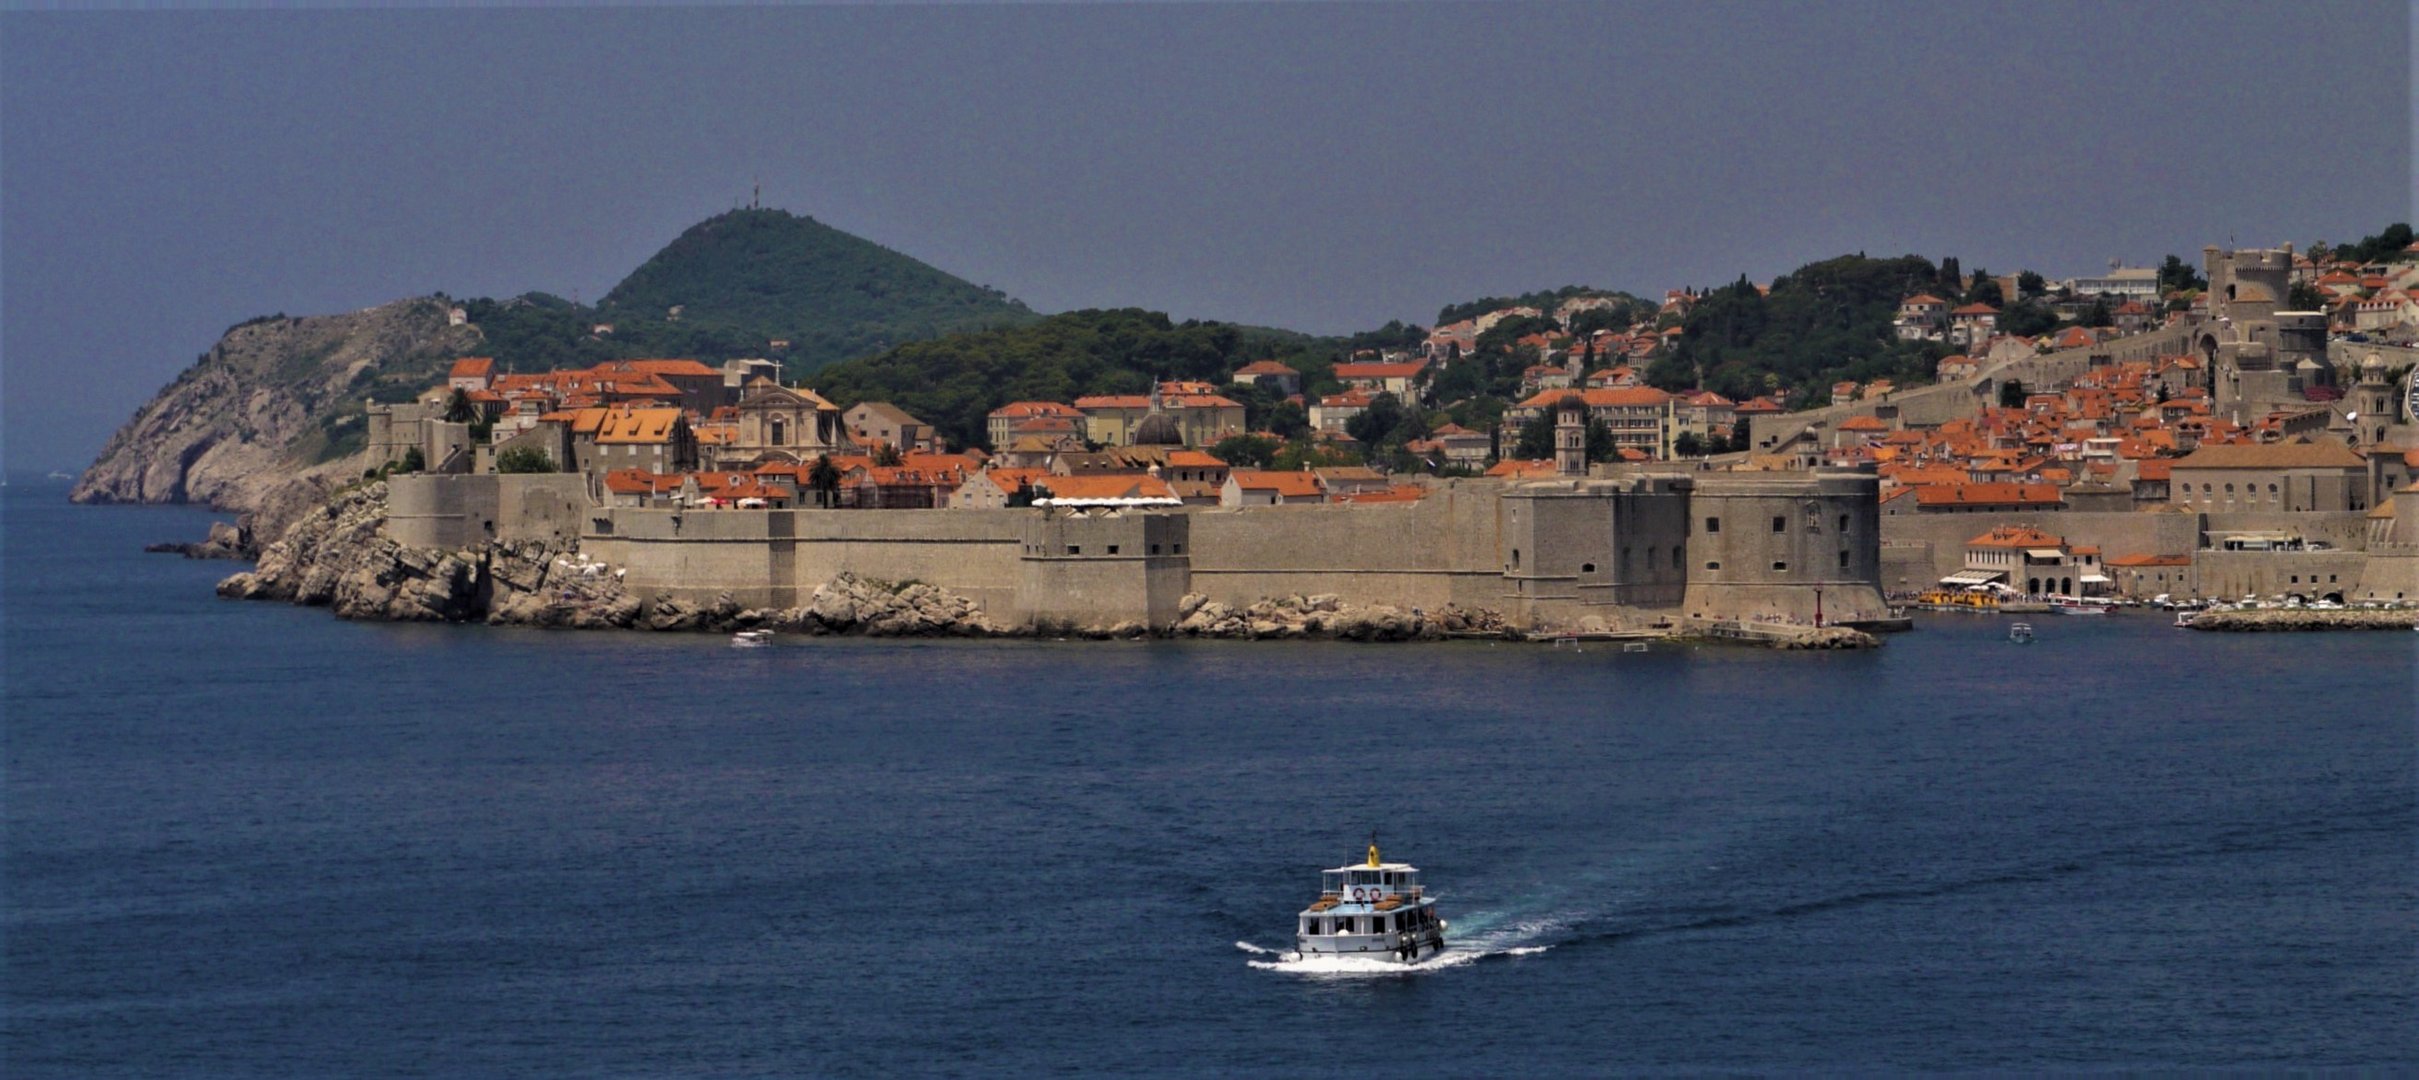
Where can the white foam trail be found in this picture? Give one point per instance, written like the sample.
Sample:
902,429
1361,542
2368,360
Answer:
1251,948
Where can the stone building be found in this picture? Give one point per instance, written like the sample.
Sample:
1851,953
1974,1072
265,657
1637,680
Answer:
880,423
2275,477
783,425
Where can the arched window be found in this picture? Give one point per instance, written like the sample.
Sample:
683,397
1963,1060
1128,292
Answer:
776,432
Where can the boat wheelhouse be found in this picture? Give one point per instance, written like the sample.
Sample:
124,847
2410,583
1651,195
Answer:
1375,909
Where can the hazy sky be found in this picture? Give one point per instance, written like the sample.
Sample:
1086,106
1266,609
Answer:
1323,167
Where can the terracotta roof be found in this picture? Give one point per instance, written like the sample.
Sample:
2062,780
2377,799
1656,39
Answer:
1265,367
1107,486
1513,467
2016,536
2149,560
1114,401
1020,409
1379,371
637,425
1286,484
473,367
1986,494
1603,397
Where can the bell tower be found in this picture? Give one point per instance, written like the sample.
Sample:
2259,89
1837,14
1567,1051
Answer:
1570,435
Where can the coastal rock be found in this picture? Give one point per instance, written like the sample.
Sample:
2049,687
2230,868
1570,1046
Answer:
269,408
1831,637
2305,619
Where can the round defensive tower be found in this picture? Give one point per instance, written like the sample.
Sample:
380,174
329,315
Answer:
1762,545
2251,283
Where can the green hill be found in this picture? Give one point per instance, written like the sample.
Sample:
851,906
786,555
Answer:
750,277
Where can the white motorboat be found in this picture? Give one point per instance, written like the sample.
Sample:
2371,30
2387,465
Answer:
1376,910
751,639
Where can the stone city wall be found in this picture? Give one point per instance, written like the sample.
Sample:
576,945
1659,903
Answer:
771,558
2310,574
1442,550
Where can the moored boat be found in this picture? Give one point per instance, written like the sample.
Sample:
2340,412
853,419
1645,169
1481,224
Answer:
2075,605
1377,910
2021,633
751,639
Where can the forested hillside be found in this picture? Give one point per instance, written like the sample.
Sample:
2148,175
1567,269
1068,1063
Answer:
954,382
748,283
1822,323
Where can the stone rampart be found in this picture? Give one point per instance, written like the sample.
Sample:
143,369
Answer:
1442,550
771,558
2313,575
453,511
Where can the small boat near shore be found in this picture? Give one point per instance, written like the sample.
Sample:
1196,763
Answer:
2020,633
751,639
2075,605
1375,910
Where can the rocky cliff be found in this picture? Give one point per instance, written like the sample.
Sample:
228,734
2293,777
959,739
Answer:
270,417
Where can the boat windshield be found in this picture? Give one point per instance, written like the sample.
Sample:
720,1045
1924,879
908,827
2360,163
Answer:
1331,881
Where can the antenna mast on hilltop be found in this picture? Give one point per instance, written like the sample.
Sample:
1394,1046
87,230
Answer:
756,197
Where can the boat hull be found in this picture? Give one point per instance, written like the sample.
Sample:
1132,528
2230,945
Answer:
1404,948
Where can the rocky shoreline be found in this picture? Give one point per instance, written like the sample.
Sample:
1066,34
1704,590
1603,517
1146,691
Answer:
337,556
2303,619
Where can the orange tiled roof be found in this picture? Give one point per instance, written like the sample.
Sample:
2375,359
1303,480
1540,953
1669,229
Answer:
1289,485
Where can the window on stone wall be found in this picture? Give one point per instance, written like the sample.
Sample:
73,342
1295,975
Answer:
1075,549
1780,523
1780,566
1587,568
1843,560
1843,523
1713,525
1713,566
1112,549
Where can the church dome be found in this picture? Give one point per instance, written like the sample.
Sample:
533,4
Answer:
1158,429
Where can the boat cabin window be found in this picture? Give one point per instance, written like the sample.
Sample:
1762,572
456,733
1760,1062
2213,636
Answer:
1331,881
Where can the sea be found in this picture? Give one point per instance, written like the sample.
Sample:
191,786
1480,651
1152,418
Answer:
249,839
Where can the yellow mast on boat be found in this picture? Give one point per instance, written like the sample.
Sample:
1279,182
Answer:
1373,860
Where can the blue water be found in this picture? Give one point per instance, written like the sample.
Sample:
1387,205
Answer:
247,839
